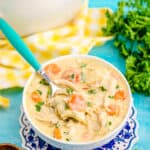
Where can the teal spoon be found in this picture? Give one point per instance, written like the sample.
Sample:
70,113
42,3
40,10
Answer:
24,51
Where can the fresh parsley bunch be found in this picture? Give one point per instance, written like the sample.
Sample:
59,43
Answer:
130,25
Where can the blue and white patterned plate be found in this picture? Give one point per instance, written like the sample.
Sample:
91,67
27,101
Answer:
123,141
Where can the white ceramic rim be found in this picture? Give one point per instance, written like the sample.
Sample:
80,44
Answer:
106,137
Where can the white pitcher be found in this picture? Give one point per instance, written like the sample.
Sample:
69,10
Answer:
29,16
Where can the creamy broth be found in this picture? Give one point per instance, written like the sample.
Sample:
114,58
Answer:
92,102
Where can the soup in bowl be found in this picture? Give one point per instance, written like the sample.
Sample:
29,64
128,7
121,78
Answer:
90,108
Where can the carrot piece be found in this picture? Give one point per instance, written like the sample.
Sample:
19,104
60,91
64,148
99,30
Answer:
52,68
77,78
57,133
120,95
112,110
76,102
35,96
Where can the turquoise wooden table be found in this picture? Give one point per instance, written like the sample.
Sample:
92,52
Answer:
9,118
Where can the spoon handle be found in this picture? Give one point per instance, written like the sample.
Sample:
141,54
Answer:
18,44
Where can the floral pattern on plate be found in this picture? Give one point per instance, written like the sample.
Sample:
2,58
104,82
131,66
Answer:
123,141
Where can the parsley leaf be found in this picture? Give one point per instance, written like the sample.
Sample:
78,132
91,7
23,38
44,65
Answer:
39,91
111,96
38,106
102,88
92,91
109,123
57,125
117,86
69,91
66,132
66,106
83,65
72,76
49,92
89,104
68,139
43,82
130,26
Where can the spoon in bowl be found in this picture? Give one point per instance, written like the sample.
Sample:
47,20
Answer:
25,52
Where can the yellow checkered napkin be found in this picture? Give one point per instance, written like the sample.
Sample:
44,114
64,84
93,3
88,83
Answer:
76,37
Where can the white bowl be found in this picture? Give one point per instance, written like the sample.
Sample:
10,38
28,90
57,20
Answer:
31,16
78,146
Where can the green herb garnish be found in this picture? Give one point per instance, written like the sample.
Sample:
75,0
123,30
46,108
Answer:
38,91
117,86
68,139
57,125
38,106
83,65
66,106
49,92
69,91
43,82
83,77
66,132
102,88
109,123
111,96
72,76
89,104
130,26
92,91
